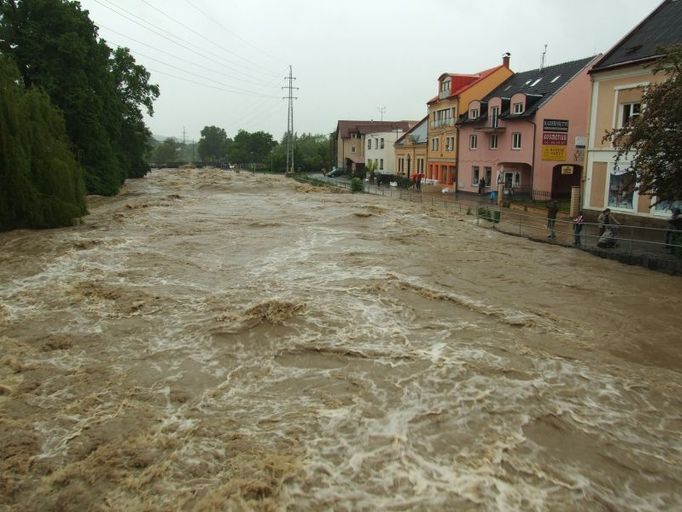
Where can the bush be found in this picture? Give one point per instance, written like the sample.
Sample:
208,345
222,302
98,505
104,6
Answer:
356,185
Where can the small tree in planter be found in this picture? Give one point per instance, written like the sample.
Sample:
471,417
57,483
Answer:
356,185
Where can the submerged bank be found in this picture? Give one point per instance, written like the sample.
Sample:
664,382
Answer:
209,340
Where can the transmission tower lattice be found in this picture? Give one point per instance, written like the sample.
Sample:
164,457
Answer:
290,120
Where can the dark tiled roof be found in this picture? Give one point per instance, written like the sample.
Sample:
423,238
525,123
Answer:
418,133
345,128
537,84
661,28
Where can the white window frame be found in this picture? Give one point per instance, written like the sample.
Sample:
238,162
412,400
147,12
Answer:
516,140
631,115
352,149
518,108
382,143
473,113
434,143
369,143
381,164
493,137
475,175
473,141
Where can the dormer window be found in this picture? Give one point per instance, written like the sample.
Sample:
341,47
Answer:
473,113
444,91
517,108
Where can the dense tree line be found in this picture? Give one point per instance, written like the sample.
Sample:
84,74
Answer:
100,92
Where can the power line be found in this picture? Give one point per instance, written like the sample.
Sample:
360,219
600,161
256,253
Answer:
209,86
248,61
232,89
212,18
179,58
157,31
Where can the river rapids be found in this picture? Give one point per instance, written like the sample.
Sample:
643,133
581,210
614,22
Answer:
209,340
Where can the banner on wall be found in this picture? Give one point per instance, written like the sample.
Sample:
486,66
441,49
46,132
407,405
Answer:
555,153
555,139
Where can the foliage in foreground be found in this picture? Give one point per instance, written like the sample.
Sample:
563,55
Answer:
101,92
42,184
652,141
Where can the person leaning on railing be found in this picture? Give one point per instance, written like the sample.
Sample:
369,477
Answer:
674,225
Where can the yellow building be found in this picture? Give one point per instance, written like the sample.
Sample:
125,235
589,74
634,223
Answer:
619,79
455,91
410,150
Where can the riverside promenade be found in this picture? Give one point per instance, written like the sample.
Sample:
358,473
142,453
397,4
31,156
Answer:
636,245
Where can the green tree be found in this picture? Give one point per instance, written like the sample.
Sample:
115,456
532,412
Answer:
652,141
168,151
213,144
42,184
251,147
134,92
56,46
312,152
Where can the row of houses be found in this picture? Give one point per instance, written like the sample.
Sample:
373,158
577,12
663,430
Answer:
538,132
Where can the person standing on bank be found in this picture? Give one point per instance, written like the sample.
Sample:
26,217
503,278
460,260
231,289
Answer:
577,229
674,225
481,186
552,210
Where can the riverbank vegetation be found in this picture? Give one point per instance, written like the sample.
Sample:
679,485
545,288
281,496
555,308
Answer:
72,113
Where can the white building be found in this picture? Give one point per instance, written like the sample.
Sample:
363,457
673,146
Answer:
379,151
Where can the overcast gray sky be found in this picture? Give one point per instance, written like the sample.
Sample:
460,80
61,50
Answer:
223,62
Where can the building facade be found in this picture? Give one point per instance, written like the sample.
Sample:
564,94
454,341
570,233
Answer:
379,153
410,150
529,133
455,91
619,79
351,140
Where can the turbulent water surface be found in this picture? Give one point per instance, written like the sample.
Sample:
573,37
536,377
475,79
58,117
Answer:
218,341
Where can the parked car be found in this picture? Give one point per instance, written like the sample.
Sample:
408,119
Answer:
335,173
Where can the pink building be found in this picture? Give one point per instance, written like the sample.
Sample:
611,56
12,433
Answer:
528,133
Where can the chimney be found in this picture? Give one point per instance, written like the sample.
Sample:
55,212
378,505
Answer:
505,59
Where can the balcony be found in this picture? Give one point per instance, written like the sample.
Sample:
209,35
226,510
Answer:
440,123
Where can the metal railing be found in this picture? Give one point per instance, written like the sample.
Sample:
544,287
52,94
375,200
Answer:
654,248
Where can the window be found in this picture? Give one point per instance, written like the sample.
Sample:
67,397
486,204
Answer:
401,165
488,175
473,113
630,112
516,140
555,79
493,141
434,144
369,143
449,143
420,164
494,117
381,163
382,143
518,108
473,141
622,183
352,149
536,82
475,171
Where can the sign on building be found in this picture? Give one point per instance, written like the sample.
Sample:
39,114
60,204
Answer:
555,139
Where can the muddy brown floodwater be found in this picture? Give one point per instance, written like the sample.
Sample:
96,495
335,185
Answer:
218,341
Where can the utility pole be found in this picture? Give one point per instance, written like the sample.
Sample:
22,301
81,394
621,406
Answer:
381,112
290,121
